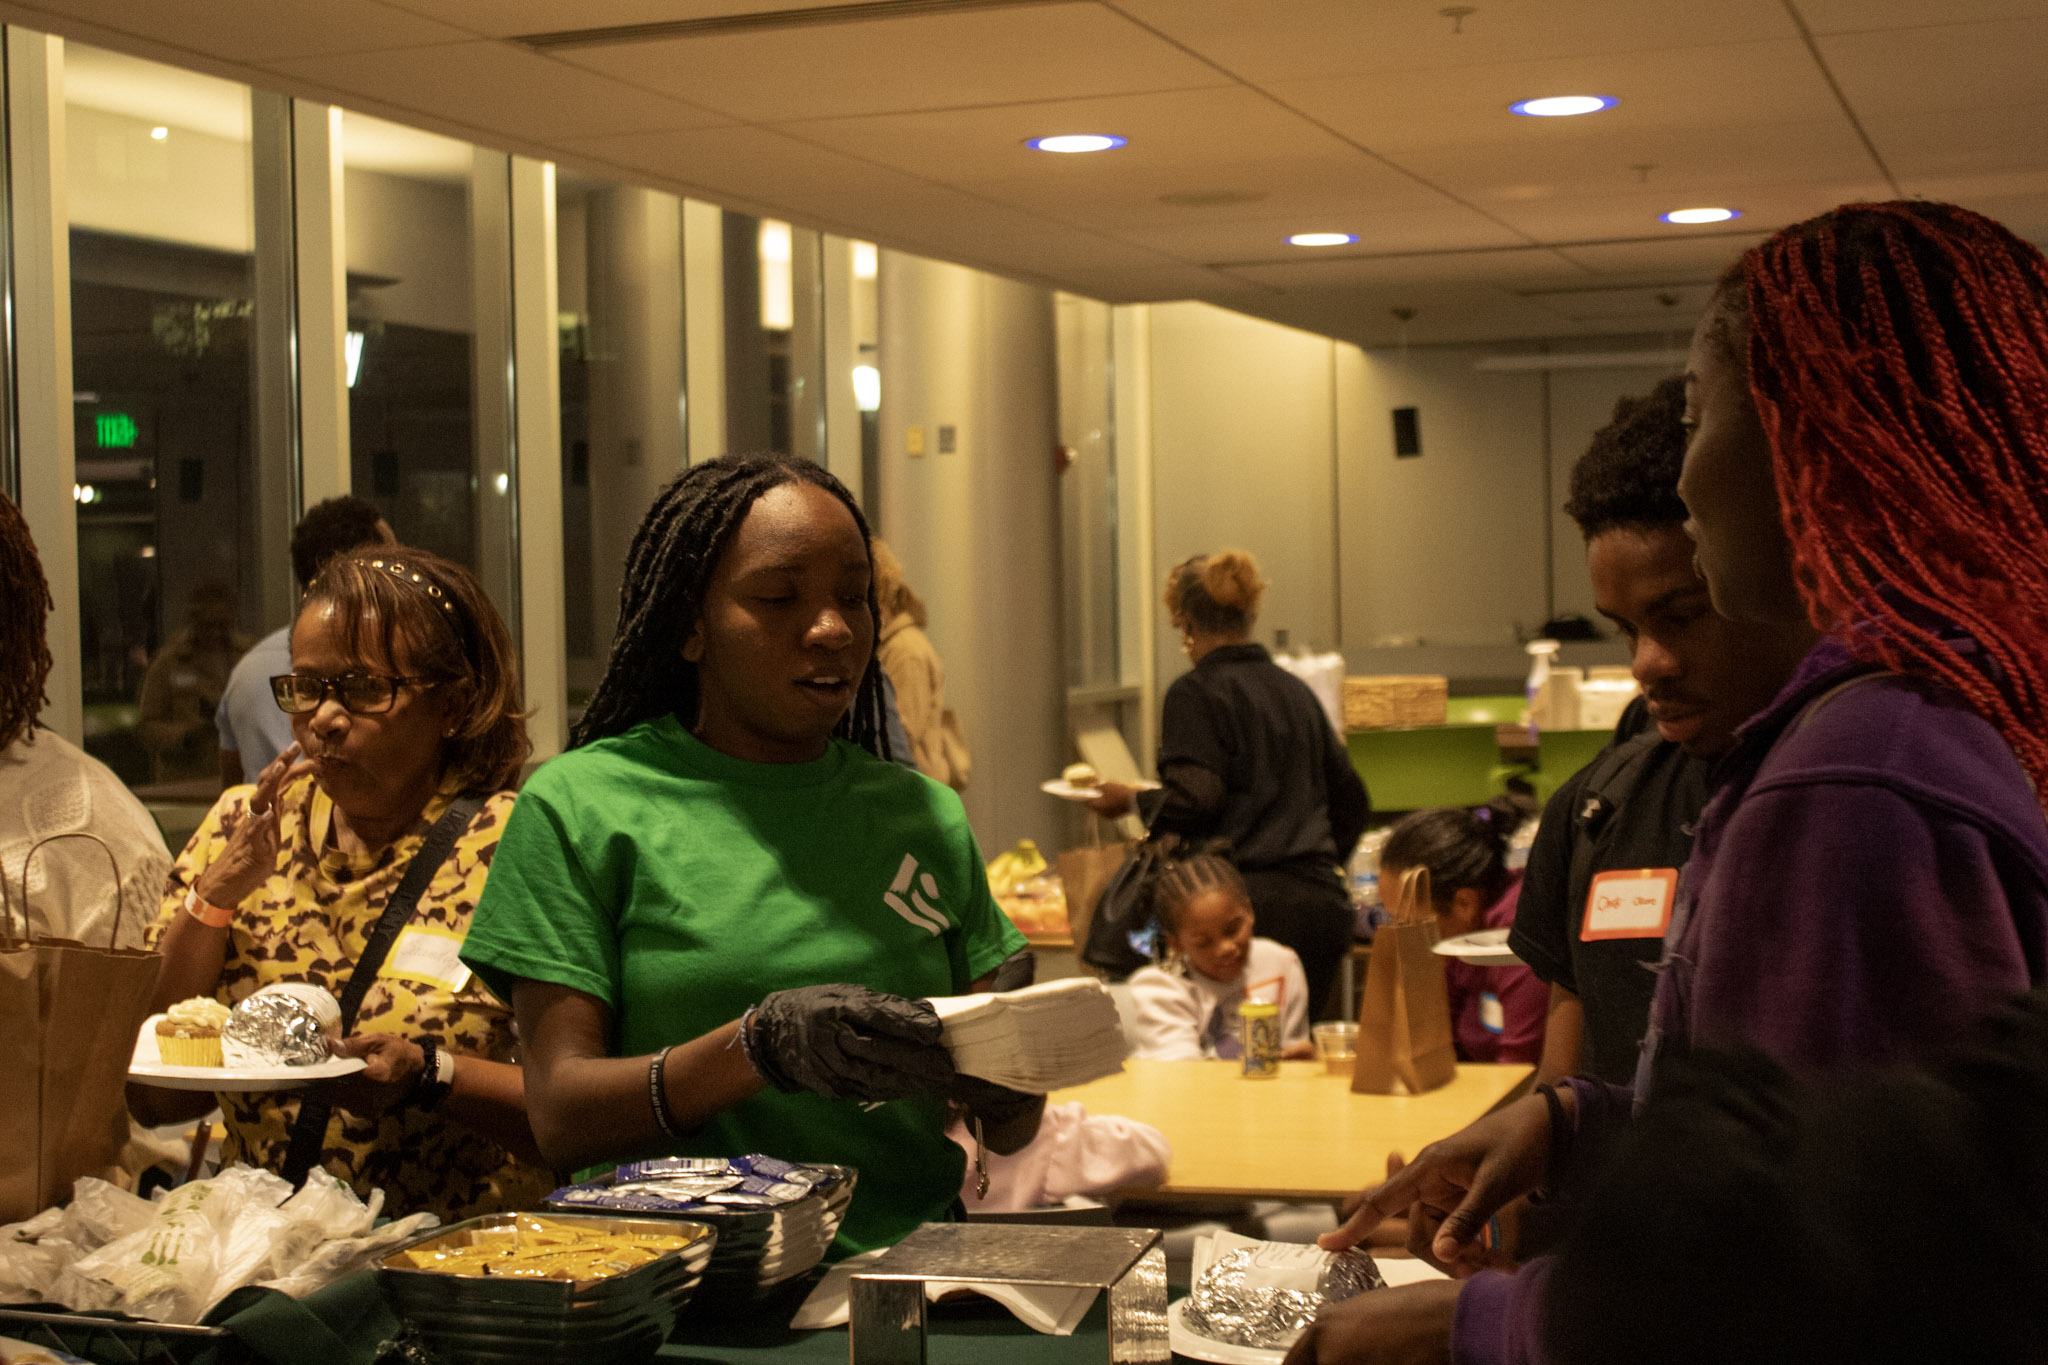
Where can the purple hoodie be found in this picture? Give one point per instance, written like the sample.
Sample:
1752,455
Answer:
1869,878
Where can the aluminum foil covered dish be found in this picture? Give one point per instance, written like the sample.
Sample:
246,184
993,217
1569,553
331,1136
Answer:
1265,1294
288,1024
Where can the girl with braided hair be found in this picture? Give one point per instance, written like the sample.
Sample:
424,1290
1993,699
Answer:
720,916
1868,399
1187,1004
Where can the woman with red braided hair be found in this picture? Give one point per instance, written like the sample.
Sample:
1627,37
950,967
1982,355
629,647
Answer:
1869,404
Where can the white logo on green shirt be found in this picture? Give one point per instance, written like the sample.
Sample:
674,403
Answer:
925,915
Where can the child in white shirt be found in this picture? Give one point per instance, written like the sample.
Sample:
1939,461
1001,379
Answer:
1187,1005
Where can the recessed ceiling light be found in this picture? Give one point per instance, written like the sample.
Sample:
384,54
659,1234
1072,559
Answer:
1700,215
1077,142
1322,239
1563,106
159,132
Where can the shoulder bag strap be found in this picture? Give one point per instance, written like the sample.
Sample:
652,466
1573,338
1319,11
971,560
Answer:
309,1132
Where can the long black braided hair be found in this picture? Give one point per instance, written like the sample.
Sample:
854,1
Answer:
668,572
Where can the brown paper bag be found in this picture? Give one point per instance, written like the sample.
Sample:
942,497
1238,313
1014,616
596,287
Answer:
1404,1016
68,1018
1083,874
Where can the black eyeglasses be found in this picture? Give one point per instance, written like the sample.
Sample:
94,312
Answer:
360,694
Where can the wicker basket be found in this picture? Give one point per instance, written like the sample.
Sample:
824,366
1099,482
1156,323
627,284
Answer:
1395,701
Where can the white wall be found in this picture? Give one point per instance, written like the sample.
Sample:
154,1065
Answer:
191,187
1445,547
1282,442
1243,418
415,232
978,529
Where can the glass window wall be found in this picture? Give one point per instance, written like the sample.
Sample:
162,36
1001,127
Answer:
163,259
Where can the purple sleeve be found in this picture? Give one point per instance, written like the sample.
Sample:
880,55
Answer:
1498,1320
1525,1009
1852,924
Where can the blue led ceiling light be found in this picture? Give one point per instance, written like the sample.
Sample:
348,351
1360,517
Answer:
1563,106
1077,142
1688,217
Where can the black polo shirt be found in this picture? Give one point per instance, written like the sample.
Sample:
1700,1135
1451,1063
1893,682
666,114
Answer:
1634,806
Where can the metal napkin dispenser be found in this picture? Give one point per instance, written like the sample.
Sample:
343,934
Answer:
886,1302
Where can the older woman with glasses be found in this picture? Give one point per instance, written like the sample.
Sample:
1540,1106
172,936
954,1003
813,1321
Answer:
404,699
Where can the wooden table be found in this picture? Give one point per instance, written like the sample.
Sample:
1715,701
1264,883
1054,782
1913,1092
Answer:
1302,1135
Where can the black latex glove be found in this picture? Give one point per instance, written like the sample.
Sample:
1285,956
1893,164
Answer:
848,1042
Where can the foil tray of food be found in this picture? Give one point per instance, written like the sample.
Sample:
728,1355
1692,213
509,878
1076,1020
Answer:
553,1287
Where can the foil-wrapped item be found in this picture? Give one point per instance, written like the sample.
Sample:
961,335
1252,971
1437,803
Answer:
1266,1294
272,1028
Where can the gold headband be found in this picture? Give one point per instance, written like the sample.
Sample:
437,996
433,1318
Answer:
404,575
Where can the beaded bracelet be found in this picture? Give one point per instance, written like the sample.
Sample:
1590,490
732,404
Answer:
657,1096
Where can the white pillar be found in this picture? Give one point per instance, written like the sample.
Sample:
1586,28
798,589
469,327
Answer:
537,446
704,323
41,222
490,352
1136,594
977,528
636,375
841,352
322,256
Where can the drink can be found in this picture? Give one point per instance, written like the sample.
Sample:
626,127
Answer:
1261,1022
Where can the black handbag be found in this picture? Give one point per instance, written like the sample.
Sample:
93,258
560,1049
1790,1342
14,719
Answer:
1123,934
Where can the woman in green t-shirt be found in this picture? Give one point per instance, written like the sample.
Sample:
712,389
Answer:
719,916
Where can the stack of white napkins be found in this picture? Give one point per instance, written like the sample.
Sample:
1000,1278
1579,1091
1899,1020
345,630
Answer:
1044,1037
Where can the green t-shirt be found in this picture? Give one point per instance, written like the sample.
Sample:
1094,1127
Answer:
680,885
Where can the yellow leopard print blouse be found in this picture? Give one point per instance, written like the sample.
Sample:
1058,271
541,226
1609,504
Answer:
309,922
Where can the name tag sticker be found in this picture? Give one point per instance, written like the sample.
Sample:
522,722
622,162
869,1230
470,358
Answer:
430,956
1630,904
1492,1017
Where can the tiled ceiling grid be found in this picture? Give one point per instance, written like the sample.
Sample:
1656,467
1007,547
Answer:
1248,120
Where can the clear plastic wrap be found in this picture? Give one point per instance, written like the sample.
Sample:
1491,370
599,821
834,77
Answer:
173,1259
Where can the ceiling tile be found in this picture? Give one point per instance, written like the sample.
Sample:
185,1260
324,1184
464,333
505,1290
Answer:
1447,226
1961,142
1261,41
493,85
1958,66
1706,88
235,30
1633,216
1687,260
1227,141
504,18
998,56
1858,16
1684,167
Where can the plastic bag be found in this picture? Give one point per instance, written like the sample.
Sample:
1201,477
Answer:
172,1260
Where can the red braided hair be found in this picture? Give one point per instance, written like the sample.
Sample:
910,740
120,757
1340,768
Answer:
1898,355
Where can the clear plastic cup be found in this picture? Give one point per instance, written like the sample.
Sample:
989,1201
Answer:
1337,1046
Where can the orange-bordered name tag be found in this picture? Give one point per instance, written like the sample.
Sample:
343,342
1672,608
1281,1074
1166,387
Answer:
1632,903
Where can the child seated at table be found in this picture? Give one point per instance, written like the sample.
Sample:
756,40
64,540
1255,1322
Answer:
1497,1013
1187,1003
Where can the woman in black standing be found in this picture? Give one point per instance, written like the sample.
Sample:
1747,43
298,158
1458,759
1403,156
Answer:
1247,755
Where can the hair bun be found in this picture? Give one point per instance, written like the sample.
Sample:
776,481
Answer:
1231,578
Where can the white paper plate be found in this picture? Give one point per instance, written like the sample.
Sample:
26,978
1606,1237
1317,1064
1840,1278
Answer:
1067,791
1396,1270
1482,948
147,1067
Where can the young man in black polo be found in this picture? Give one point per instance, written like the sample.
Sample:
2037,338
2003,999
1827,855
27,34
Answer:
1604,867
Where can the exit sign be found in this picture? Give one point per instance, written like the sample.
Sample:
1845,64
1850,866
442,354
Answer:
114,431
